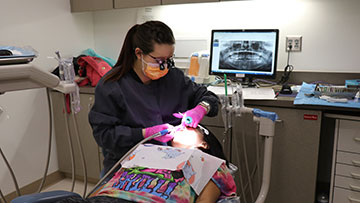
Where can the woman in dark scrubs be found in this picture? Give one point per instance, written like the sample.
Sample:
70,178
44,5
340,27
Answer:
140,95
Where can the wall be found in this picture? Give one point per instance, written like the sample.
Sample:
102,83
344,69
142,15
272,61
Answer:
47,26
110,28
330,28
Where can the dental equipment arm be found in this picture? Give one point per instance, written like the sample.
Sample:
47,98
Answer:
267,130
161,133
26,76
16,77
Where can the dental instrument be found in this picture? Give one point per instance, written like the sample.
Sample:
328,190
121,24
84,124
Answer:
266,122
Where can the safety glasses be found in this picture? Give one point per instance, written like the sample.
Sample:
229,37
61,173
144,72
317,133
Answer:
161,61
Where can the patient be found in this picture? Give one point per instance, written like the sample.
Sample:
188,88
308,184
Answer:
142,184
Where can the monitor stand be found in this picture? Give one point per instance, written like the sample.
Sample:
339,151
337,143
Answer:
248,82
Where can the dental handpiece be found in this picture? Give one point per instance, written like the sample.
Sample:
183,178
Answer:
161,133
158,134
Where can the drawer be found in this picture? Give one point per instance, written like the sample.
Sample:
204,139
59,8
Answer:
348,158
349,136
345,196
347,183
348,171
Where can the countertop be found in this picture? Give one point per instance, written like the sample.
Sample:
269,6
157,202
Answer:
281,102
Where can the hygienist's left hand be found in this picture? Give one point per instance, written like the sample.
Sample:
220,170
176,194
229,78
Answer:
192,117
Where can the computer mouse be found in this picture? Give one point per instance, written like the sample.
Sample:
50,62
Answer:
285,89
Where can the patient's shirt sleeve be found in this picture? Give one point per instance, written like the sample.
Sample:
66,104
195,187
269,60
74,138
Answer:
224,180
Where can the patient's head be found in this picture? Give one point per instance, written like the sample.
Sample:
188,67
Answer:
189,138
200,138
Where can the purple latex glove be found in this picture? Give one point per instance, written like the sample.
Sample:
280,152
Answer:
157,128
192,117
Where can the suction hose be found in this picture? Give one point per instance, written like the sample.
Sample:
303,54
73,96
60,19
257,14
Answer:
2,197
163,132
82,156
50,140
66,117
11,173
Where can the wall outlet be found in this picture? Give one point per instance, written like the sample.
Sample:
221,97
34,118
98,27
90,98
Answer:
293,43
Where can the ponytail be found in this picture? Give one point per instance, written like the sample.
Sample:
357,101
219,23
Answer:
127,57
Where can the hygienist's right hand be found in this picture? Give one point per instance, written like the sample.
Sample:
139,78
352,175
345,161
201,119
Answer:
147,132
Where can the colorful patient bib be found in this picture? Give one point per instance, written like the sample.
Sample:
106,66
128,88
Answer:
197,166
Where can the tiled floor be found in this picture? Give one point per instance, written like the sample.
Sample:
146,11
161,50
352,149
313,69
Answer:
65,184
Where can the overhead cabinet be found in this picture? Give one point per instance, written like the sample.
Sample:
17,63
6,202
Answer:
135,3
94,5
91,5
164,2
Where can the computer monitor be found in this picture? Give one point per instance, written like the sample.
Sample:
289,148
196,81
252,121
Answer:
245,53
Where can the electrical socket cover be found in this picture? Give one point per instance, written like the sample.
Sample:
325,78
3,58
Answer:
295,41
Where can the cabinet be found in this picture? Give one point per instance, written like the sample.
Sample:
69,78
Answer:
135,3
294,158
90,5
94,5
90,147
345,181
164,2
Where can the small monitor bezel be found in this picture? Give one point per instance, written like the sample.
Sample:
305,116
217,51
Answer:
272,76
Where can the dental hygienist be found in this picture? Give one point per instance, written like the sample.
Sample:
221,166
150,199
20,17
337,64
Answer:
140,95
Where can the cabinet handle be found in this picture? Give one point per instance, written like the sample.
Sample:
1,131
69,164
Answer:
353,187
354,200
355,175
357,139
356,163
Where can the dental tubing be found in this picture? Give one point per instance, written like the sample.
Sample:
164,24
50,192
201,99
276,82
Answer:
225,80
161,133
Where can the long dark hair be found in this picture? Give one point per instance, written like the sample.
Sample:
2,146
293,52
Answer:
141,36
214,146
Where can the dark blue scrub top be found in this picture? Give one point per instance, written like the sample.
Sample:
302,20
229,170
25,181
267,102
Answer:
123,108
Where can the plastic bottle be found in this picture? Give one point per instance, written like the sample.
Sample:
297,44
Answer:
194,65
204,65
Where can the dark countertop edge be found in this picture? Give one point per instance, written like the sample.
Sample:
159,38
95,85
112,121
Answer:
281,102
87,90
289,103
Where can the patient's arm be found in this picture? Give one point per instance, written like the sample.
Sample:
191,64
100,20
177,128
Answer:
210,193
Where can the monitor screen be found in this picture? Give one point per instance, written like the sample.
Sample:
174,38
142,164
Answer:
249,52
